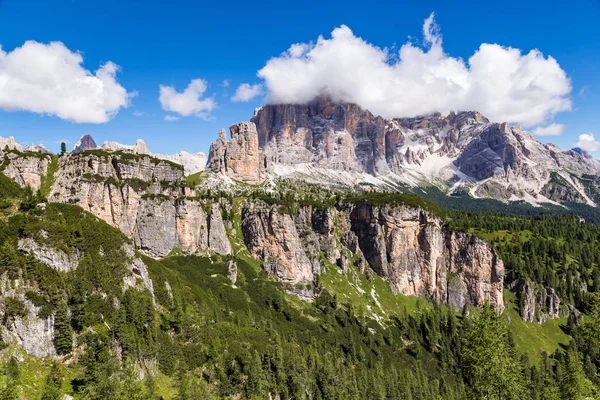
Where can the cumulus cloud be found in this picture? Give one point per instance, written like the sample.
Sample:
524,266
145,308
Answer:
50,79
502,82
171,118
549,130
588,142
189,102
246,92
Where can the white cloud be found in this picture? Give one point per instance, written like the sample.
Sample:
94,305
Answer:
549,130
138,113
226,83
501,82
50,79
246,92
189,102
171,118
588,142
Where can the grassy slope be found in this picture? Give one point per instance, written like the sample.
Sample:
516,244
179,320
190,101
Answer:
533,338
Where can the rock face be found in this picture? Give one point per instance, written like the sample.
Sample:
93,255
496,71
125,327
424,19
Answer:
240,158
453,151
216,155
86,142
55,258
26,170
141,196
536,302
409,247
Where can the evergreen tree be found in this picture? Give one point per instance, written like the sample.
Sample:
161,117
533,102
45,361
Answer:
63,148
574,384
489,366
63,333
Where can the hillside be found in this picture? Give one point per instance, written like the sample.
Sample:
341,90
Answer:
121,275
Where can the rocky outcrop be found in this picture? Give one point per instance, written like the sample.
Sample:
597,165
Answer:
216,155
54,258
31,331
409,247
141,196
26,169
34,334
86,142
536,302
272,238
240,158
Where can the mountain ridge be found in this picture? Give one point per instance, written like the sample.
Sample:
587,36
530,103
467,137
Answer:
459,152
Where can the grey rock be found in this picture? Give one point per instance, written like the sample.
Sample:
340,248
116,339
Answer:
54,258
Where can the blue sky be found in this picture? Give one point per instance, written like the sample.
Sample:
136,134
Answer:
172,42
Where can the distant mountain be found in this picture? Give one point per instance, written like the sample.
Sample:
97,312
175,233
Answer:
459,153
38,148
140,147
192,162
10,143
86,142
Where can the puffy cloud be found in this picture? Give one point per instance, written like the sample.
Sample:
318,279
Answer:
588,142
549,130
189,102
50,79
501,82
246,92
171,118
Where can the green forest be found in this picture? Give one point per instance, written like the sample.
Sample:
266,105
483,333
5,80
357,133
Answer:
202,337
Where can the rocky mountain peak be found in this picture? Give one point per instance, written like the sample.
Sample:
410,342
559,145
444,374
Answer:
10,143
86,142
240,158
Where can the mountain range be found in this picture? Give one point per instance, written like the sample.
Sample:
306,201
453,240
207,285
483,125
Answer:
341,144
293,235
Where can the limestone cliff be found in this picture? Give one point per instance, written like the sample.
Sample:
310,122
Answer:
25,168
536,302
409,247
147,200
144,198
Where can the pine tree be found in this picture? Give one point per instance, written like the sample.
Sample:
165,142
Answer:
63,332
63,148
490,367
574,384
